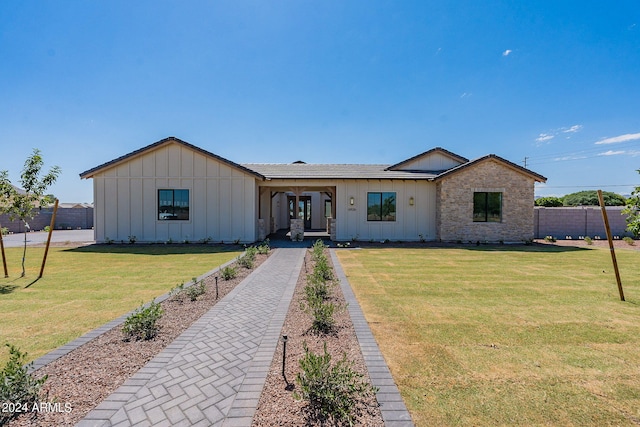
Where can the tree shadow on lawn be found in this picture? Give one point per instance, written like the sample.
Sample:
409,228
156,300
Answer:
7,288
156,248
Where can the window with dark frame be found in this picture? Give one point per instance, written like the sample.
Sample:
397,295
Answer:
173,205
487,206
327,208
381,206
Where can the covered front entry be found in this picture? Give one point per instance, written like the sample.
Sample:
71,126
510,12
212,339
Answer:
297,210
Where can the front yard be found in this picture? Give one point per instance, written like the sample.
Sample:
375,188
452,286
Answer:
83,288
496,335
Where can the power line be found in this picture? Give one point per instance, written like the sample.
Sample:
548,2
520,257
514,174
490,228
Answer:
576,155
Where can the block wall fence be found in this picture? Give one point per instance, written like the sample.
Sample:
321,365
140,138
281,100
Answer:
578,221
66,218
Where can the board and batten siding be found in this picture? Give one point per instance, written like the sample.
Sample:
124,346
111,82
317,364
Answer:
222,199
413,222
431,162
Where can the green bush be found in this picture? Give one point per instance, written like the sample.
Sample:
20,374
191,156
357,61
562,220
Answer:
549,202
629,240
229,272
177,293
17,386
142,324
248,259
4,231
333,392
590,198
264,247
316,287
322,269
588,240
317,250
321,311
550,238
195,290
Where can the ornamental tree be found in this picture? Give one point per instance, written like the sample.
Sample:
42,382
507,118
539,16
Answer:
22,205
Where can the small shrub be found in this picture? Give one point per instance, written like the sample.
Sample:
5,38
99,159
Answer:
142,323
628,240
264,247
132,239
549,238
333,392
4,231
249,258
317,250
588,240
177,293
321,311
17,386
229,272
195,290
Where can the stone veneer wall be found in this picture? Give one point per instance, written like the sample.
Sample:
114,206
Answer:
454,213
297,229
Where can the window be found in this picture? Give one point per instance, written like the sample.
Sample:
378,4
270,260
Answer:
381,206
173,205
487,207
327,208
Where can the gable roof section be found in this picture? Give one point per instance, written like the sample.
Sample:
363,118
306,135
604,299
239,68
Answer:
439,150
336,171
170,140
517,168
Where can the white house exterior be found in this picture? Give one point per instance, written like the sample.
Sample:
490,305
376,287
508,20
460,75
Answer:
174,191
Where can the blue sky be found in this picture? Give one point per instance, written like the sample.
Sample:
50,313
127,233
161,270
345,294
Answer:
555,82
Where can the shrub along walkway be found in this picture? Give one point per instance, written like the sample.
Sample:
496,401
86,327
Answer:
213,373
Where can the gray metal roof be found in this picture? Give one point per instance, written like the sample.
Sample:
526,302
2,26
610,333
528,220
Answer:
329,171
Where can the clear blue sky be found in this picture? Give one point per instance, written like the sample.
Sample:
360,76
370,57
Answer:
556,82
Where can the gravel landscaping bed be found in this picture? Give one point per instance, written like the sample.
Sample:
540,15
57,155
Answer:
88,374
277,406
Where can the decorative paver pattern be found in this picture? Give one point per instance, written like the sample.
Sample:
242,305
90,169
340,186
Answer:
394,411
213,373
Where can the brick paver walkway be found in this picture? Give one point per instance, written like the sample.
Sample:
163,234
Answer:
214,372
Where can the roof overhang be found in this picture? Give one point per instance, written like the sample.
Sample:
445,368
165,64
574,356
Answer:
162,143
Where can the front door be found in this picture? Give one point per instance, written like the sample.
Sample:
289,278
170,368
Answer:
304,209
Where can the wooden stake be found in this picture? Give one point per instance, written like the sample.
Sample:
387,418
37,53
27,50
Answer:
51,226
613,252
4,258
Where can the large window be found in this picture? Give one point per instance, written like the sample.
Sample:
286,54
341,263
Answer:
487,207
381,206
173,204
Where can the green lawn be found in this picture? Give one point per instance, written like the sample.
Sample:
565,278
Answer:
527,335
83,288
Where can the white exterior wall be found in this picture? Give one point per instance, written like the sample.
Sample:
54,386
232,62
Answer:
222,199
431,162
411,221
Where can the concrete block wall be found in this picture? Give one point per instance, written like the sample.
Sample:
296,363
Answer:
73,218
577,222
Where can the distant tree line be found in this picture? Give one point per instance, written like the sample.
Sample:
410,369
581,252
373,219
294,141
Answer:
582,198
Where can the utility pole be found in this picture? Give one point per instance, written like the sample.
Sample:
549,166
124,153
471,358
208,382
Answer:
525,161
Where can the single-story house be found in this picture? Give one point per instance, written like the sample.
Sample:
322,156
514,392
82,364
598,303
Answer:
174,191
